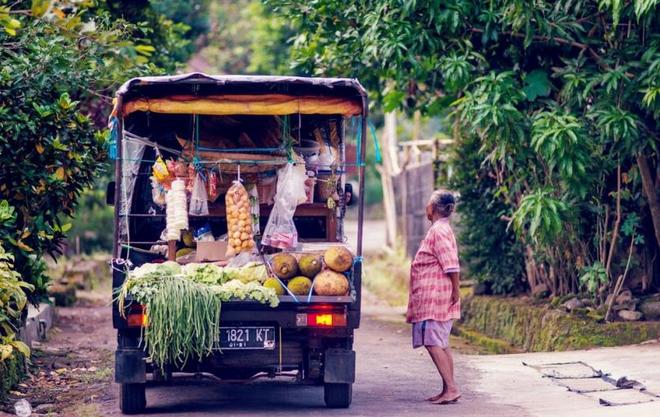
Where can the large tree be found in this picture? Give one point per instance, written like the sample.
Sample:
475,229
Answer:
562,96
59,64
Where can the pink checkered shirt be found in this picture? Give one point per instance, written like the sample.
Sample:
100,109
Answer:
430,285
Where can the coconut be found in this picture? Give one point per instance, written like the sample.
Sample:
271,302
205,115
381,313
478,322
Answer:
300,285
274,283
310,265
330,283
285,265
338,258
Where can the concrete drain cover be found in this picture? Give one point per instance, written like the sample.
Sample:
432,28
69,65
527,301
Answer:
582,385
584,379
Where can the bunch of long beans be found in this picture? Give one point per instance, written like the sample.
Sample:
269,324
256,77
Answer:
183,322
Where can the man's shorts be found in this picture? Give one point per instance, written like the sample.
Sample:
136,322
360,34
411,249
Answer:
431,333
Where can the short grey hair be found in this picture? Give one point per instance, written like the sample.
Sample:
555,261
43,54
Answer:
442,202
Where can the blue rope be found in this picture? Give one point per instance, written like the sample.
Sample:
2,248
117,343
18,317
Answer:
240,150
311,291
358,136
114,134
372,129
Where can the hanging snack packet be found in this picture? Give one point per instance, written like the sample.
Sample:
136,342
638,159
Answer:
212,187
181,170
199,205
239,224
190,179
157,192
160,171
253,192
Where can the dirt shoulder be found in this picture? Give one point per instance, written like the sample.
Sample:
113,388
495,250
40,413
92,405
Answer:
71,373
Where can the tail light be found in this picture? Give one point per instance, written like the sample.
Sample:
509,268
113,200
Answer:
321,319
136,316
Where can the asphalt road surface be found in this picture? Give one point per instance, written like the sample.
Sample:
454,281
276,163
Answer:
392,380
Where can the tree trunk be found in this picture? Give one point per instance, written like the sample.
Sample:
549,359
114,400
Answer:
651,194
617,221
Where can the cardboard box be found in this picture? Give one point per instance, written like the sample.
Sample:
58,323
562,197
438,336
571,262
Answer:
211,251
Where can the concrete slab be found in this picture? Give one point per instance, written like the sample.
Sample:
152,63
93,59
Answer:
622,396
39,321
508,381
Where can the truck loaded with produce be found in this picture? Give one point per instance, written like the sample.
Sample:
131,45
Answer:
230,258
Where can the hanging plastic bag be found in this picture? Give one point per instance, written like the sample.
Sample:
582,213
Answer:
239,224
157,192
280,232
199,204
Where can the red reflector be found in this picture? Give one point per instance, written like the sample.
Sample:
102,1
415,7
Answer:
136,316
137,320
326,319
323,320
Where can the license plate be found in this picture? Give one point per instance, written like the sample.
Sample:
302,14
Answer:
247,338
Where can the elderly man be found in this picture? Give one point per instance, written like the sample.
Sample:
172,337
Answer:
434,300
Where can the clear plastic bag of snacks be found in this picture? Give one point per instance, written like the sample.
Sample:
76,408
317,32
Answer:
199,204
240,235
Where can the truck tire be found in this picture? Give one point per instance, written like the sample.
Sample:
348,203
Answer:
132,398
338,395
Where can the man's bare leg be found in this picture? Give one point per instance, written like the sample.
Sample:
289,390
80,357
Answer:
444,384
451,360
444,362
445,365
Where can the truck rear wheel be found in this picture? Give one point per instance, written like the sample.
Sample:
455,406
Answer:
132,398
338,395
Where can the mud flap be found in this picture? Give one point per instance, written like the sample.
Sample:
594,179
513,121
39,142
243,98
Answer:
130,367
339,366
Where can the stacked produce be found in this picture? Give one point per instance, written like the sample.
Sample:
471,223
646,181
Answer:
239,220
183,304
307,271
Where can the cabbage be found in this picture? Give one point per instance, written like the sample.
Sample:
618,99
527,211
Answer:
168,268
206,273
253,271
237,290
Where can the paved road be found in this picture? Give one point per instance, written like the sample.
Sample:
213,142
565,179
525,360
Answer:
374,233
393,380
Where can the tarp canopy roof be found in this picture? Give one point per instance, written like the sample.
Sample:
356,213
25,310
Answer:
198,93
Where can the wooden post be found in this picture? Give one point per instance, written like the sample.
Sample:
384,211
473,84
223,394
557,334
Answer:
390,167
171,250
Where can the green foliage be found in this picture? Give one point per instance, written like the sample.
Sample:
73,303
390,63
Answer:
488,248
12,303
57,67
92,220
540,215
558,94
247,38
593,277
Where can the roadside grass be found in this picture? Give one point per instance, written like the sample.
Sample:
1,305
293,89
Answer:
386,275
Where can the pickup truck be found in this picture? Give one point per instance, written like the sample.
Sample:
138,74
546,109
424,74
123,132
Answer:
240,120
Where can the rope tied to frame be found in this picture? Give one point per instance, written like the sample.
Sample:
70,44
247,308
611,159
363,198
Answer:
113,124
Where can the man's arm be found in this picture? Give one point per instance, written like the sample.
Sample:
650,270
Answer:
455,279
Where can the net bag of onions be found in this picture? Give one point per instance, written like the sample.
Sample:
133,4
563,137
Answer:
240,235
